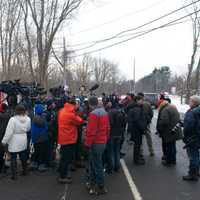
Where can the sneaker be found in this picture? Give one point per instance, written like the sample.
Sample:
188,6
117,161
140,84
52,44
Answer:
190,177
168,164
139,162
65,180
100,190
42,168
92,190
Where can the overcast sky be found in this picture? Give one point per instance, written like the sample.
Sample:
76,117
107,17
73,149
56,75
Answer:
171,46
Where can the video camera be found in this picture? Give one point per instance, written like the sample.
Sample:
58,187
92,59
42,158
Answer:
12,88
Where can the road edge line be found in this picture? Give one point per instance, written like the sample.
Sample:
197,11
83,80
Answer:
133,187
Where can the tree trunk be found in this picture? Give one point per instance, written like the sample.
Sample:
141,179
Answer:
197,77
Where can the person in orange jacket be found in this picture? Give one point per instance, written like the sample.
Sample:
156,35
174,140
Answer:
68,122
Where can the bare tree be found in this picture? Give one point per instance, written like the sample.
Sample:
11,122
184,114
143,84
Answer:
83,71
47,17
102,69
196,36
10,17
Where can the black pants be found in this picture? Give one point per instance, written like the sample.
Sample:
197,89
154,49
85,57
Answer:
169,151
40,155
67,155
137,138
136,152
1,160
78,146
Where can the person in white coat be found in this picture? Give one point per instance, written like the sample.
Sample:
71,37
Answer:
16,139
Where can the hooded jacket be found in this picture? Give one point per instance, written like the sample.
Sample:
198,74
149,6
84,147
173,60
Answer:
16,133
98,127
39,128
68,122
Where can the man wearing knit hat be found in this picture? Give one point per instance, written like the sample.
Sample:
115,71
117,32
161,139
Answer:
192,138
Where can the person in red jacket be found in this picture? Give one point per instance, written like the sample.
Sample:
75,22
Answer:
68,122
96,137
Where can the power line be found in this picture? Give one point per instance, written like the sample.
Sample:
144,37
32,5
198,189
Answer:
131,34
120,18
123,41
138,27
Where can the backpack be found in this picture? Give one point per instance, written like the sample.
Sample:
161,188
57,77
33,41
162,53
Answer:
120,118
39,121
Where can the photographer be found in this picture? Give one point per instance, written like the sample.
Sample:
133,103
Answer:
168,118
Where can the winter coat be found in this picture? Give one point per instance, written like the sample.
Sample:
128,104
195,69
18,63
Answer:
117,122
39,127
16,133
191,126
68,122
137,122
148,112
98,127
168,118
4,119
51,117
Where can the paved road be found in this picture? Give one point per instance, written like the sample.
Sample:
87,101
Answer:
154,182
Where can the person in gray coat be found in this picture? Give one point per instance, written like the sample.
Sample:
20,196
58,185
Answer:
168,118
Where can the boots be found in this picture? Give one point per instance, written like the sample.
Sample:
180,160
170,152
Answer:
14,169
192,175
24,168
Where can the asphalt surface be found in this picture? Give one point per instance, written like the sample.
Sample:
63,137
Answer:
154,181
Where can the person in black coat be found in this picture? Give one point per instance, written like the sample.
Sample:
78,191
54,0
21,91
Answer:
118,125
137,125
4,118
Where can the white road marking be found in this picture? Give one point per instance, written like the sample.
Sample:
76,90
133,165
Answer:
133,187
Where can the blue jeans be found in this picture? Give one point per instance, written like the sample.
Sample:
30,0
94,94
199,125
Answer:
96,171
22,156
113,151
194,157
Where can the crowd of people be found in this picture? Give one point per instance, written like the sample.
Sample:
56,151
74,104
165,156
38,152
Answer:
90,134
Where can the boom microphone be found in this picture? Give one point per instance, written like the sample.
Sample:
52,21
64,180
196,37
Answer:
96,86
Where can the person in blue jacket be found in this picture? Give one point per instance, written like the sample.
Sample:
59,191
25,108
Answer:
39,137
192,138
